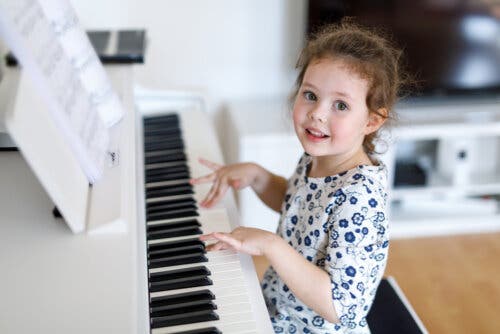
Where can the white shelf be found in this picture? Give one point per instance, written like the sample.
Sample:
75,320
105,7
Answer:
442,187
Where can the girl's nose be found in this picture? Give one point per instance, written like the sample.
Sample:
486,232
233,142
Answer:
317,114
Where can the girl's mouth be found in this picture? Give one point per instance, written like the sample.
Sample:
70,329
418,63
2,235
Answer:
315,134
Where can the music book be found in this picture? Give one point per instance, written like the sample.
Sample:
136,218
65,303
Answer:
48,41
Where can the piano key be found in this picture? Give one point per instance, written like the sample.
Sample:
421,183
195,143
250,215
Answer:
170,182
234,323
180,309
209,330
162,152
173,224
152,248
167,205
159,130
165,177
177,250
179,283
176,168
149,167
184,189
159,140
169,301
177,260
186,318
176,156
188,211
167,117
174,232
163,145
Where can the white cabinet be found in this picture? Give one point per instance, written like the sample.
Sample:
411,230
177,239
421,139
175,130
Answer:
455,144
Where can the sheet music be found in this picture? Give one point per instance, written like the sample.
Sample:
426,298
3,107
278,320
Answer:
46,38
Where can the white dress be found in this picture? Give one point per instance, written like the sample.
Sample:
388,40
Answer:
339,224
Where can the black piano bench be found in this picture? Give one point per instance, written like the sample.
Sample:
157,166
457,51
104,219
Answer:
391,313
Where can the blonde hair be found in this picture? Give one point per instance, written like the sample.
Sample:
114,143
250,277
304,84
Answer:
368,54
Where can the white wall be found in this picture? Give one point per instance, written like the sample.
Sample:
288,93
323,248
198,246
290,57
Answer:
226,49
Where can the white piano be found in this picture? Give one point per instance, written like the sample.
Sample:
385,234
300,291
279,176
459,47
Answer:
134,275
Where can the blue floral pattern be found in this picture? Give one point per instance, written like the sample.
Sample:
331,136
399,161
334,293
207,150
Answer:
338,223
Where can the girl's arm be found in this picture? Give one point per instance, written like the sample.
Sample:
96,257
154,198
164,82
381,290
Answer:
270,188
308,282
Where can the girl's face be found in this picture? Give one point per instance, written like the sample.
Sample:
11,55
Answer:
330,114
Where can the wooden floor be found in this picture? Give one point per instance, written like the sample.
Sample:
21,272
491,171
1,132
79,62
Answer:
453,283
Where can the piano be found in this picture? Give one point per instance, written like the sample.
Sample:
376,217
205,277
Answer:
148,273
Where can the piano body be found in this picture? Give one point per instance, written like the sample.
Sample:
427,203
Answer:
142,273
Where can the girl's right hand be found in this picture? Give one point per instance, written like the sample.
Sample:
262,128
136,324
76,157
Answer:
237,176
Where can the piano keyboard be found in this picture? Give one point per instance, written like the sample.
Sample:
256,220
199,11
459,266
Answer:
190,291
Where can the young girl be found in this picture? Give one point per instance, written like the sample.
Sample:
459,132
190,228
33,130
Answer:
330,250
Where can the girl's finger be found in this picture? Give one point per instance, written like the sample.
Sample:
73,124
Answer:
212,165
204,179
217,246
228,239
206,237
207,200
218,193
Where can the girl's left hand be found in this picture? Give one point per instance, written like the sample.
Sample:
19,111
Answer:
252,241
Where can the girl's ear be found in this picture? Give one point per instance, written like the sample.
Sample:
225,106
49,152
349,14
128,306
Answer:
376,120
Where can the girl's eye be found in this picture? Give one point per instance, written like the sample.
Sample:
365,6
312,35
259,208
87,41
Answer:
309,96
339,105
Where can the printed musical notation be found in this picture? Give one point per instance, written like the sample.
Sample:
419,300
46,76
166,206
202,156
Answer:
48,41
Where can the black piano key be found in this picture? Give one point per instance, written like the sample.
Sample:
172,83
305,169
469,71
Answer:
170,118
170,301
176,250
208,330
180,273
177,260
175,253
161,130
175,244
185,318
181,189
189,211
167,177
178,168
180,283
178,156
181,298
172,225
164,165
170,205
207,305
174,232
173,307
173,208
163,145
162,152
158,140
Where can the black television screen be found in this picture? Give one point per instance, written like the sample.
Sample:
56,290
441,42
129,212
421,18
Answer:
451,47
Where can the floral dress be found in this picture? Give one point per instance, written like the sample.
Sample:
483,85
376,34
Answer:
338,223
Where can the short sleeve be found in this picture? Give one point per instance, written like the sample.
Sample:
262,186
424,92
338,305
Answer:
357,250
